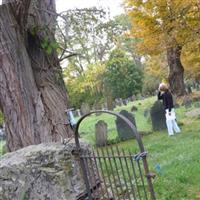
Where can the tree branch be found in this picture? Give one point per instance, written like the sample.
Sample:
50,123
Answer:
68,56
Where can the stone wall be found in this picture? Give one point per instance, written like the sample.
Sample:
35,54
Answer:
41,172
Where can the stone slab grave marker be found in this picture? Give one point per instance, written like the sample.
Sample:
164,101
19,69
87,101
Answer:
118,102
79,113
146,113
124,131
157,114
101,133
125,102
197,104
134,108
85,109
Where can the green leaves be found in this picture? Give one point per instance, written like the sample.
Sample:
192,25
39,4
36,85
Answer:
122,77
49,46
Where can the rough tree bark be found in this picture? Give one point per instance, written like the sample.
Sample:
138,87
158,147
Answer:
33,97
176,72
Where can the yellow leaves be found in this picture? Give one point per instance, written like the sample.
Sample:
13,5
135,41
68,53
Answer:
191,59
156,66
158,23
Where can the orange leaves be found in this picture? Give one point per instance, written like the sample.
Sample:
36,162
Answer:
159,23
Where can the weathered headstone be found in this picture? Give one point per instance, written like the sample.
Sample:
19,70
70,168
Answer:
79,113
124,131
118,102
101,133
146,113
186,100
189,89
124,102
157,114
133,98
85,109
134,108
197,104
97,106
109,103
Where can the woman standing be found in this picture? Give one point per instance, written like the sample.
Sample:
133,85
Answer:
165,95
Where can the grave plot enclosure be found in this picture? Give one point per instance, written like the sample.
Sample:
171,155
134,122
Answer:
114,172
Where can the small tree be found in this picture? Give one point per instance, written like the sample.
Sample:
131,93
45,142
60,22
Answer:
122,77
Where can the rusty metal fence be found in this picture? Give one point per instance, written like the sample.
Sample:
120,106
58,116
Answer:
112,173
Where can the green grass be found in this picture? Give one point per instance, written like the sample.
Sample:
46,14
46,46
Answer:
177,156
179,159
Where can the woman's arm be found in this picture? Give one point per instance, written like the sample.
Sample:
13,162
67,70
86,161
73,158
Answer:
160,96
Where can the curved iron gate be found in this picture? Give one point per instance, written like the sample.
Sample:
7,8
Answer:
112,173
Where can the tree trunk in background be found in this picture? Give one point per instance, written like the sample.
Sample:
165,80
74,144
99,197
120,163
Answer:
176,72
32,92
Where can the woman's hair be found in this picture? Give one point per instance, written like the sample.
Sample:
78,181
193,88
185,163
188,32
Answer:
163,87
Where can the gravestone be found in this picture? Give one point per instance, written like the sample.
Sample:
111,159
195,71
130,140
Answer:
157,114
109,101
85,109
146,113
118,102
124,102
197,104
186,101
133,98
101,133
124,131
189,89
79,113
134,108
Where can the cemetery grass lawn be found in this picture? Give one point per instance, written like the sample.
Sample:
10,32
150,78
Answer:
87,127
178,156
179,159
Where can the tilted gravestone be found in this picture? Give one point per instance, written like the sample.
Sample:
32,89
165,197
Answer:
157,114
124,131
101,133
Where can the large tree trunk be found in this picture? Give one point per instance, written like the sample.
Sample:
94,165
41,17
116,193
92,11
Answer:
32,93
176,72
